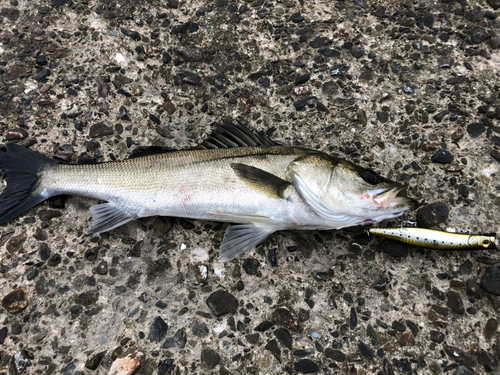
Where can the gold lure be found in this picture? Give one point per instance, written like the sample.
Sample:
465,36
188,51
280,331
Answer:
434,239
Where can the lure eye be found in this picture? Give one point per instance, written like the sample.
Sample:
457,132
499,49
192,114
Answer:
369,176
486,243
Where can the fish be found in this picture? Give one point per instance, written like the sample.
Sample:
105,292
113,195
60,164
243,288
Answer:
234,175
435,239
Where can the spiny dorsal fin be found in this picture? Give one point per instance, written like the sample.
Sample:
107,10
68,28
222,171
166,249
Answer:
229,135
225,135
262,181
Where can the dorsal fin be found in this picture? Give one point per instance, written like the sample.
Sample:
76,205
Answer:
229,135
225,135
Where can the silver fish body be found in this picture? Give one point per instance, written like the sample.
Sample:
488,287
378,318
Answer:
435,239
264,187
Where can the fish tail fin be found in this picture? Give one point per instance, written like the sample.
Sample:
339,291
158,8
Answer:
20,168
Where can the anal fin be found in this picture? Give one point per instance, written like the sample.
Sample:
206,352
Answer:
107,216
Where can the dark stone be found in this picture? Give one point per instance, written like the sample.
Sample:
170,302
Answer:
301,103
490,328
403,365
251,266
495,155
11,14
455,302
93,362
306,366
155,119
296,18
191,54
475,129
328,52
458,355
190,78
284,317
432,215
335,355
264,326
442,157
302,79
319,42
353,319
166,58
178,340
488,361
472,288
41,60
394,249
87,298
102,268
463,190
54,260
437,336
398,326
478,35
358,51
365,350
264,81
158,330
475,15
3,335
100,130
429,20
158,267
330,88
16,301
273,347
381,12
209,358
222,302
491,280
131,33
199,329
42,74
383,116
16,134
284,337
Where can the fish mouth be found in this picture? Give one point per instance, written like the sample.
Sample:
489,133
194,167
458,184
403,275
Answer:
393,198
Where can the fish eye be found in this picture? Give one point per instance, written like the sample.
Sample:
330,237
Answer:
369,176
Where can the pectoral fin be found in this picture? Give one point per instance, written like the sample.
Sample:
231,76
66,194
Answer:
262,181
107,216
241,238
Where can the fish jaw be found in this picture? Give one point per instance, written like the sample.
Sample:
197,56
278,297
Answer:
392,198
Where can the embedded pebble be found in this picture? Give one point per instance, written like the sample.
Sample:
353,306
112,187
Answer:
442,157
432,214
209,358
306,366
16,301
491,280
158,330
222,303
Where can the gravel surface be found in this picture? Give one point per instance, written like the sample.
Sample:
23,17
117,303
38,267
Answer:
407,88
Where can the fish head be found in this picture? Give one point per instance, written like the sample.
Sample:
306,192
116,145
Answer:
346,194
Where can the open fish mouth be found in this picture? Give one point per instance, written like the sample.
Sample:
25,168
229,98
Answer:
393,198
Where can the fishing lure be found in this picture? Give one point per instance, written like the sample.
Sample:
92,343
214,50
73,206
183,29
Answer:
435,239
